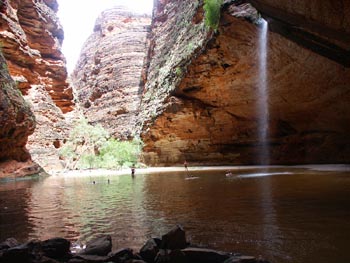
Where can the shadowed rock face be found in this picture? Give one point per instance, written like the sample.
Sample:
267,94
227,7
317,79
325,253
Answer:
210,116
107,77
17,123
31,37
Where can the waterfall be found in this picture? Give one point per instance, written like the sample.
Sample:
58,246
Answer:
262,102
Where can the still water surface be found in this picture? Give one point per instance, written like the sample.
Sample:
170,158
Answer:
285,214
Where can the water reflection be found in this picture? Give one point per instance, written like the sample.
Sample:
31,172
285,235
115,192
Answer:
262,174
283,214
13,207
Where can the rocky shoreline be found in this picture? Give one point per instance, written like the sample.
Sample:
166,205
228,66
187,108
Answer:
172,247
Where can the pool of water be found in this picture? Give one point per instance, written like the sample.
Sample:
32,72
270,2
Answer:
284,214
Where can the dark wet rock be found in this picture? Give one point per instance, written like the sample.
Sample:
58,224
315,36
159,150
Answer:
177,256
163,256
149,250
204,255
99,246
244,259
57,248
121,255
90,259
233,260
76,260
46,260
99,251
174,239
8,243
19,253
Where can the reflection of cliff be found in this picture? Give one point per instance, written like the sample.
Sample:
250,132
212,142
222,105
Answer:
203,108
89,209
14,217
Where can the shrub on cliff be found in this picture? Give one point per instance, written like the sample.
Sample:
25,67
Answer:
212,13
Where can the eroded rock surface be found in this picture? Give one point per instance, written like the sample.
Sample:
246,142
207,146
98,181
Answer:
210,115
17,123
107,77
31,38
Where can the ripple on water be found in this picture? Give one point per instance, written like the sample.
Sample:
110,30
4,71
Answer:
283,214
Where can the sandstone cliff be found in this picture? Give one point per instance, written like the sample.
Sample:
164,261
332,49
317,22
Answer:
107,77
17,123
31,37
203,107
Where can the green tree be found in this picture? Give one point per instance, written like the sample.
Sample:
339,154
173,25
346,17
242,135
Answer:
120,153
89,146
84,140
212,13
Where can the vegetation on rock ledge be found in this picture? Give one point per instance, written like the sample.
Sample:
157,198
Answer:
212,13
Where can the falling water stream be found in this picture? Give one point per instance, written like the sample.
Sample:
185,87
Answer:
262,102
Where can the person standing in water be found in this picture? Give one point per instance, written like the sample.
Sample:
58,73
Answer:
133,170
186,168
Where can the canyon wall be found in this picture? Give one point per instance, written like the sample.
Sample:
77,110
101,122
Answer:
107,77
203,108
31,38
17,123
188,91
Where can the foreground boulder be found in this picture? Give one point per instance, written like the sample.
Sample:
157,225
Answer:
57,248
204,255
150,249
100,246
8,243
171,248
35,251
174,239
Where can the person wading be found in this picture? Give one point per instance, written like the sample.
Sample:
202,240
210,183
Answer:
186,168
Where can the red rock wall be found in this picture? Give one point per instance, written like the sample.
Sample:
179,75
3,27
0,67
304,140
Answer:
17,123
211,116
31,38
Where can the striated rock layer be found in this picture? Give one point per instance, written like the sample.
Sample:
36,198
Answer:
207,108
31,37
107,75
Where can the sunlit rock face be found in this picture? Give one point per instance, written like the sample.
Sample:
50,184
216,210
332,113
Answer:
31,38
107,78
178,35
210,116
17,123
